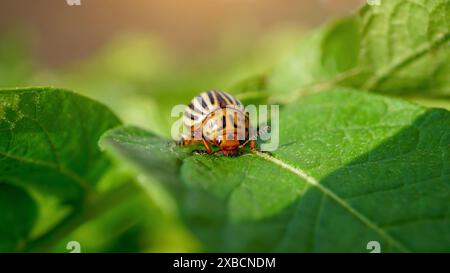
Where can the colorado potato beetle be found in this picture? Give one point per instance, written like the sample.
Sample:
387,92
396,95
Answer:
217,118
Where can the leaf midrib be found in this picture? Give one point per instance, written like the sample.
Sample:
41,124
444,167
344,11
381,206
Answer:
340,201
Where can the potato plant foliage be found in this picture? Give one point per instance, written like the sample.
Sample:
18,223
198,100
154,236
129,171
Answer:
362,155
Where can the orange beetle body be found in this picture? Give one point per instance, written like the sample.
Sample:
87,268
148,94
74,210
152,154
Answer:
219,119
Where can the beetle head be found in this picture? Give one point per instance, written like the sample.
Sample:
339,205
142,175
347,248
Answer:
229,146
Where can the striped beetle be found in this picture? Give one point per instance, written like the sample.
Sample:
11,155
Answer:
217,118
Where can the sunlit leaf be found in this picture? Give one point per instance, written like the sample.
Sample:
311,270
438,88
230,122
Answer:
343,175
398,47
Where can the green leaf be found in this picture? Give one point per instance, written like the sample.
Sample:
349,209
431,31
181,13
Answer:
320,57
399,47
155,156
48,147
406,45
17,217
48,140
380,173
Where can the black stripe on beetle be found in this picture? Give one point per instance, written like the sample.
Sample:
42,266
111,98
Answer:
202,103
222,101
232,100
195,109
211,97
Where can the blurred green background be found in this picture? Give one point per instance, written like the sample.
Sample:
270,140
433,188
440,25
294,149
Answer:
140,58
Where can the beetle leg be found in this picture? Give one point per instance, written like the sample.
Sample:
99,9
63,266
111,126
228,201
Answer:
184,140
252,145
243,144
252,141
252,138
207,146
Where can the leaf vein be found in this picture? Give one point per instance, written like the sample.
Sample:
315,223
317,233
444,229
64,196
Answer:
314,182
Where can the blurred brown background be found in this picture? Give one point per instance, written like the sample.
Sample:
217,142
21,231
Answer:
62,33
